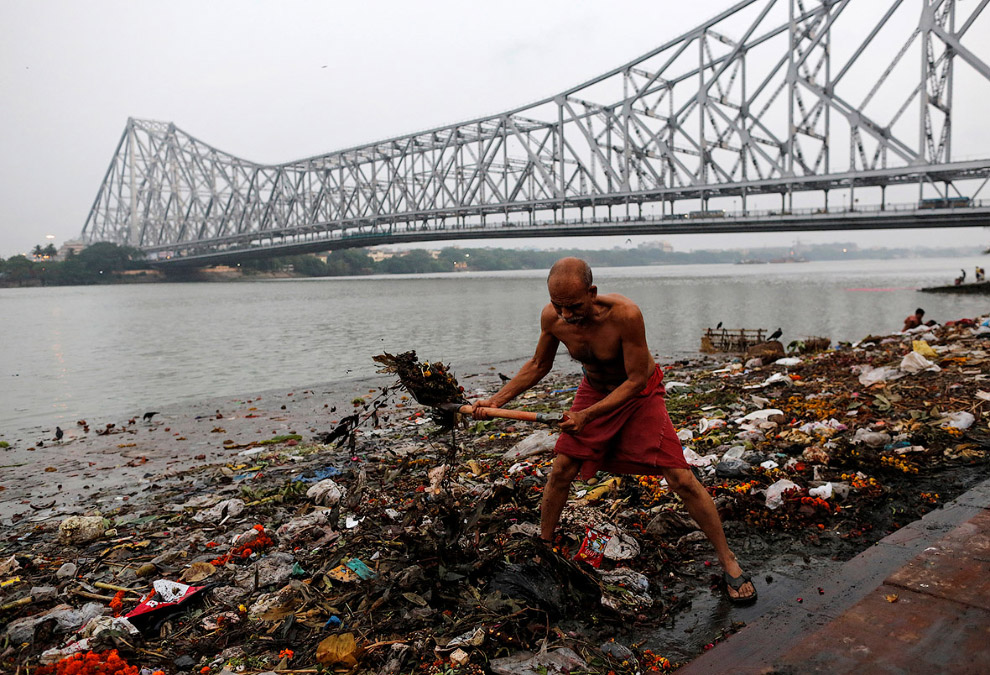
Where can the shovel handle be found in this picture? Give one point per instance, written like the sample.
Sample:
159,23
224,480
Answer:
525,415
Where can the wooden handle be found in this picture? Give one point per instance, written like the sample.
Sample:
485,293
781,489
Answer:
525,415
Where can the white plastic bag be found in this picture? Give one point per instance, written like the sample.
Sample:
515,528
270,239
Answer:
759,415
914,362
958,420
705,424
694,459
822,491
775,493
869,376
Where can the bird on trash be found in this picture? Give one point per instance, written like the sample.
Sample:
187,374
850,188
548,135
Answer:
504,378
59,433
148,415
776,334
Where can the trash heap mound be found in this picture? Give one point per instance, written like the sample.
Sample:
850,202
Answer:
375,548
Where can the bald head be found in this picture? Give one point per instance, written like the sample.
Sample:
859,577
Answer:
572,292
569,270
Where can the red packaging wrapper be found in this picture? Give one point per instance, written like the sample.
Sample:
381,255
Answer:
167,598
592,549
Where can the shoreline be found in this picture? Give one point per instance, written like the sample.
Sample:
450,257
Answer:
148,445
25,433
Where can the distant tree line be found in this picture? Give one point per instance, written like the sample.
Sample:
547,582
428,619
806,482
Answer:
355,262
105,262
100,263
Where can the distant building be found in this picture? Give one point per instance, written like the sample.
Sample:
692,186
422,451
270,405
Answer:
73,245
664,246
378,254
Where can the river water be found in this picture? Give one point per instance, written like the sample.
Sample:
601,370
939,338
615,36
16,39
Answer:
84,351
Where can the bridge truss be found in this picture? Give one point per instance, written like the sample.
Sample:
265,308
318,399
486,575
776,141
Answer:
770,97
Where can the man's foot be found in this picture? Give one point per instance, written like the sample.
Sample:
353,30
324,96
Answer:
740,589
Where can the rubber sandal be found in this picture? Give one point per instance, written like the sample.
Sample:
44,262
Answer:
736,583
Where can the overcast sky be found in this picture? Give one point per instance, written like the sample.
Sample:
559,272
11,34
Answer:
277,81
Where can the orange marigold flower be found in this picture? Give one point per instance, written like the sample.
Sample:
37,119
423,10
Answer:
117,604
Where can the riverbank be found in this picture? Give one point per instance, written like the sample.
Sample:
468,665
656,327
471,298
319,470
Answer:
105,263
437,535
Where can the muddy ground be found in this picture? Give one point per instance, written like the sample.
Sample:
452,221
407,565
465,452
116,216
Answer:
341,528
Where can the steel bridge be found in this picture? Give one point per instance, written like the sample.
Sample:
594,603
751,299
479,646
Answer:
746,123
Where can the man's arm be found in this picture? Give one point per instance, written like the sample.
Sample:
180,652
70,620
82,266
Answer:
534,370
638,364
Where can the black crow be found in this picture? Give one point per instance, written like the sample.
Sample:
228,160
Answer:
148,415
776,334
59,433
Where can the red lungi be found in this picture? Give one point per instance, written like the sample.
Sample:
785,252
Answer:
636,438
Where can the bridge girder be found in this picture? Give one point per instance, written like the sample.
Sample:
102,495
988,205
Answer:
757,100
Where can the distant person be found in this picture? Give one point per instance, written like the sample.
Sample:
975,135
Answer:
914,320
980,274
961,278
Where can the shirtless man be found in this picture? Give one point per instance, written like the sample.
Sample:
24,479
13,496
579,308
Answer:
914,320
618,421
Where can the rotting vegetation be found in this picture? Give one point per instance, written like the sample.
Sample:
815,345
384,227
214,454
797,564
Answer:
386,545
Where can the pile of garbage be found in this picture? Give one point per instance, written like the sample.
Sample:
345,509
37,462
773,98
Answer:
391,545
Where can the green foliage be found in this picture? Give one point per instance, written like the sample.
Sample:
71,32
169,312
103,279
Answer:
310,266
98,263
349,262
415,262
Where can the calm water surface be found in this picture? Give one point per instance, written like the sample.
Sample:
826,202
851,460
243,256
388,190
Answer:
73,352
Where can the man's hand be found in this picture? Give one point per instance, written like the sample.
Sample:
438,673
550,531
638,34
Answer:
574,422
478,412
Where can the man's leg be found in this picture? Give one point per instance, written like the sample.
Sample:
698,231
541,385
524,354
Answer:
555,494
701,507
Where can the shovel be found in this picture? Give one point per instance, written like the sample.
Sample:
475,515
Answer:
524,415
432,384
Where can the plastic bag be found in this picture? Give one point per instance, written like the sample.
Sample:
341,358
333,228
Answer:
822,491
869,376
915,363
921,347
775,493
958,420
694,459
759,415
